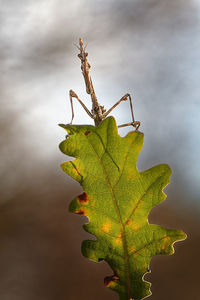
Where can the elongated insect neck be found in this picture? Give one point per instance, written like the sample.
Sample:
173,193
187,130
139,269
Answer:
85,67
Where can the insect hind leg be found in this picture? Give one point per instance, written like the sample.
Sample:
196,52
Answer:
126,97
135,124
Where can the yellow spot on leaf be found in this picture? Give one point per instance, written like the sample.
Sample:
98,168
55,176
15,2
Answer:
106,227
165,242
132,250
118,240
136,226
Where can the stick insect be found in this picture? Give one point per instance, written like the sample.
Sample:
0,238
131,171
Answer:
98,112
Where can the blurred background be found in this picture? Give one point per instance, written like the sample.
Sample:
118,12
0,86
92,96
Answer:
149,48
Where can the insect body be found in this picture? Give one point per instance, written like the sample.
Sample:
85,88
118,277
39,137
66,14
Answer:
98,112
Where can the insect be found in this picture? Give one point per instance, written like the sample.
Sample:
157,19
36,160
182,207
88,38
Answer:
98,113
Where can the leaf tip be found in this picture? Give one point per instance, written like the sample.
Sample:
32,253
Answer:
62,125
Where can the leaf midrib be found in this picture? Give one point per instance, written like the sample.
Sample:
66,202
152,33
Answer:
123,236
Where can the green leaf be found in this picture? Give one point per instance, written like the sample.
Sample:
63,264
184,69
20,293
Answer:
117,199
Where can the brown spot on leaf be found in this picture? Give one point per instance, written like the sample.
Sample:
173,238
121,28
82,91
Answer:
83,198
81,212
109,280
87,132
128,222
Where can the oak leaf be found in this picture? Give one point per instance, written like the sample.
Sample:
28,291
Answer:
117,199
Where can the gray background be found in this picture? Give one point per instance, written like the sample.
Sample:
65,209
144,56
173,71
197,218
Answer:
145,47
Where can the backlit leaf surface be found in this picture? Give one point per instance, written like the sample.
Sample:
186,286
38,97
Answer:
117,199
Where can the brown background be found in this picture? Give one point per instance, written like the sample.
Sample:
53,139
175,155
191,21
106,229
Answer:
149,48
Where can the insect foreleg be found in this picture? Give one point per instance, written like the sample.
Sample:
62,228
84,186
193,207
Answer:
72,95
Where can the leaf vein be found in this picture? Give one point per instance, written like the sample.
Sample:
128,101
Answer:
140,199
